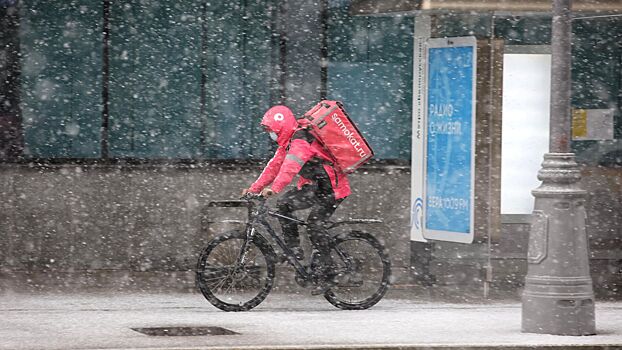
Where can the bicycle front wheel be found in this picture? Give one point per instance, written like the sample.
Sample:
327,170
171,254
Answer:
362,269
232,283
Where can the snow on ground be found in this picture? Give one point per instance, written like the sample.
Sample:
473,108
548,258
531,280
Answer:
104,321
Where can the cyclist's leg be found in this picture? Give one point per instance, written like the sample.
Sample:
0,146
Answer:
318,234
289,202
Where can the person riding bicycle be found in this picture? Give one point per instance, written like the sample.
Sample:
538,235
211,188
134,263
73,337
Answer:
321,186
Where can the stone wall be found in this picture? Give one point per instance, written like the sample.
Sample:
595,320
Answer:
139,227
89,227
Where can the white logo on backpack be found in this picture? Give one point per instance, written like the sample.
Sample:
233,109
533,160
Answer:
349,135
278,117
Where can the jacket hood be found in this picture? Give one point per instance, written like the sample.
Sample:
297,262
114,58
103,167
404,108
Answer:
281,121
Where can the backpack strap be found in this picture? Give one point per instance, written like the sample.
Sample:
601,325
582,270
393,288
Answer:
304,133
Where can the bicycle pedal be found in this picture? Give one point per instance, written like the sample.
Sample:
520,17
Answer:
322,288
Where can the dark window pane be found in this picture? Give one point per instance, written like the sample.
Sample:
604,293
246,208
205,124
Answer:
61,78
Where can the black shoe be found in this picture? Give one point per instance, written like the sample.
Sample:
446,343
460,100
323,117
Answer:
299,253
325,281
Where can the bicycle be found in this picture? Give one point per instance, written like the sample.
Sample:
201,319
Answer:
236,270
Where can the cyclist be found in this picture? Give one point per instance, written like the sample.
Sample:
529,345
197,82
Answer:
321,186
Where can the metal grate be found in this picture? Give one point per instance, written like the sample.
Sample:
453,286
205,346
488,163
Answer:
183,331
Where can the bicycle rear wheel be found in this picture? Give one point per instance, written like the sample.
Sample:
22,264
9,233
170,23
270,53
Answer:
362,270
228,284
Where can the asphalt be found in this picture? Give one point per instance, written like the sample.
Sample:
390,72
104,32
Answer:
282,321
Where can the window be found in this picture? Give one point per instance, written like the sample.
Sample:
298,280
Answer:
186,80
191,79
370,70
61,65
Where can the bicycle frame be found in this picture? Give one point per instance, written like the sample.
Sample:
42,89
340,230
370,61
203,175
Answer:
257,214
237,269
258,217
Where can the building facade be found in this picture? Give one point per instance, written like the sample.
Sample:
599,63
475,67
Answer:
120,121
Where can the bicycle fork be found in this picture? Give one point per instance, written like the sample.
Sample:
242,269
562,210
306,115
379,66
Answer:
250,233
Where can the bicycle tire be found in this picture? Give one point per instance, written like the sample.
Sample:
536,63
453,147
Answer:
379,263
217,276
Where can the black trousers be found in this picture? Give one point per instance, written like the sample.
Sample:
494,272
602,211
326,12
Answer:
321,199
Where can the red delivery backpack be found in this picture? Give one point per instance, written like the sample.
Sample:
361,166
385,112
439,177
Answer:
330,124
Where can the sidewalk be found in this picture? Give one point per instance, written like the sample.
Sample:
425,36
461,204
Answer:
282,321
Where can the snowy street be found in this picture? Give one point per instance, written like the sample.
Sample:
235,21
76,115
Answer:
283,321
454,165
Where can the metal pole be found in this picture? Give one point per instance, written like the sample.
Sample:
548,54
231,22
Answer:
558,297
105,125
560,77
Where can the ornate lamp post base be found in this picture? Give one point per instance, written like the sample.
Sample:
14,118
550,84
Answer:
558,296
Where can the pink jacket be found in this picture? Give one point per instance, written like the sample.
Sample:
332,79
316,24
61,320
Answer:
291,155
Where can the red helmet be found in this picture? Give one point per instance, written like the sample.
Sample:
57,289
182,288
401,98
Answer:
281,121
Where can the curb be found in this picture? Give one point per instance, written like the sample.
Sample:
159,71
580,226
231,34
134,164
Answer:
393,347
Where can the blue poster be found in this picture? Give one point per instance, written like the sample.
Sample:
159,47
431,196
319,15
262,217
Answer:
450,118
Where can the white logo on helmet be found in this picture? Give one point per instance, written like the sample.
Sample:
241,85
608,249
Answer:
278,117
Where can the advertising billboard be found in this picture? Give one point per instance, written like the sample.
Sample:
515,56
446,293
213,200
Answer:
449,165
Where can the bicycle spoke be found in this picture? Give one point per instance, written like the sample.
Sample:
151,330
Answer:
229,284
220,284
362,278
213,278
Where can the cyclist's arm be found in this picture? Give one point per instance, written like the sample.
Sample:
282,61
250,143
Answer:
270,171
299,153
